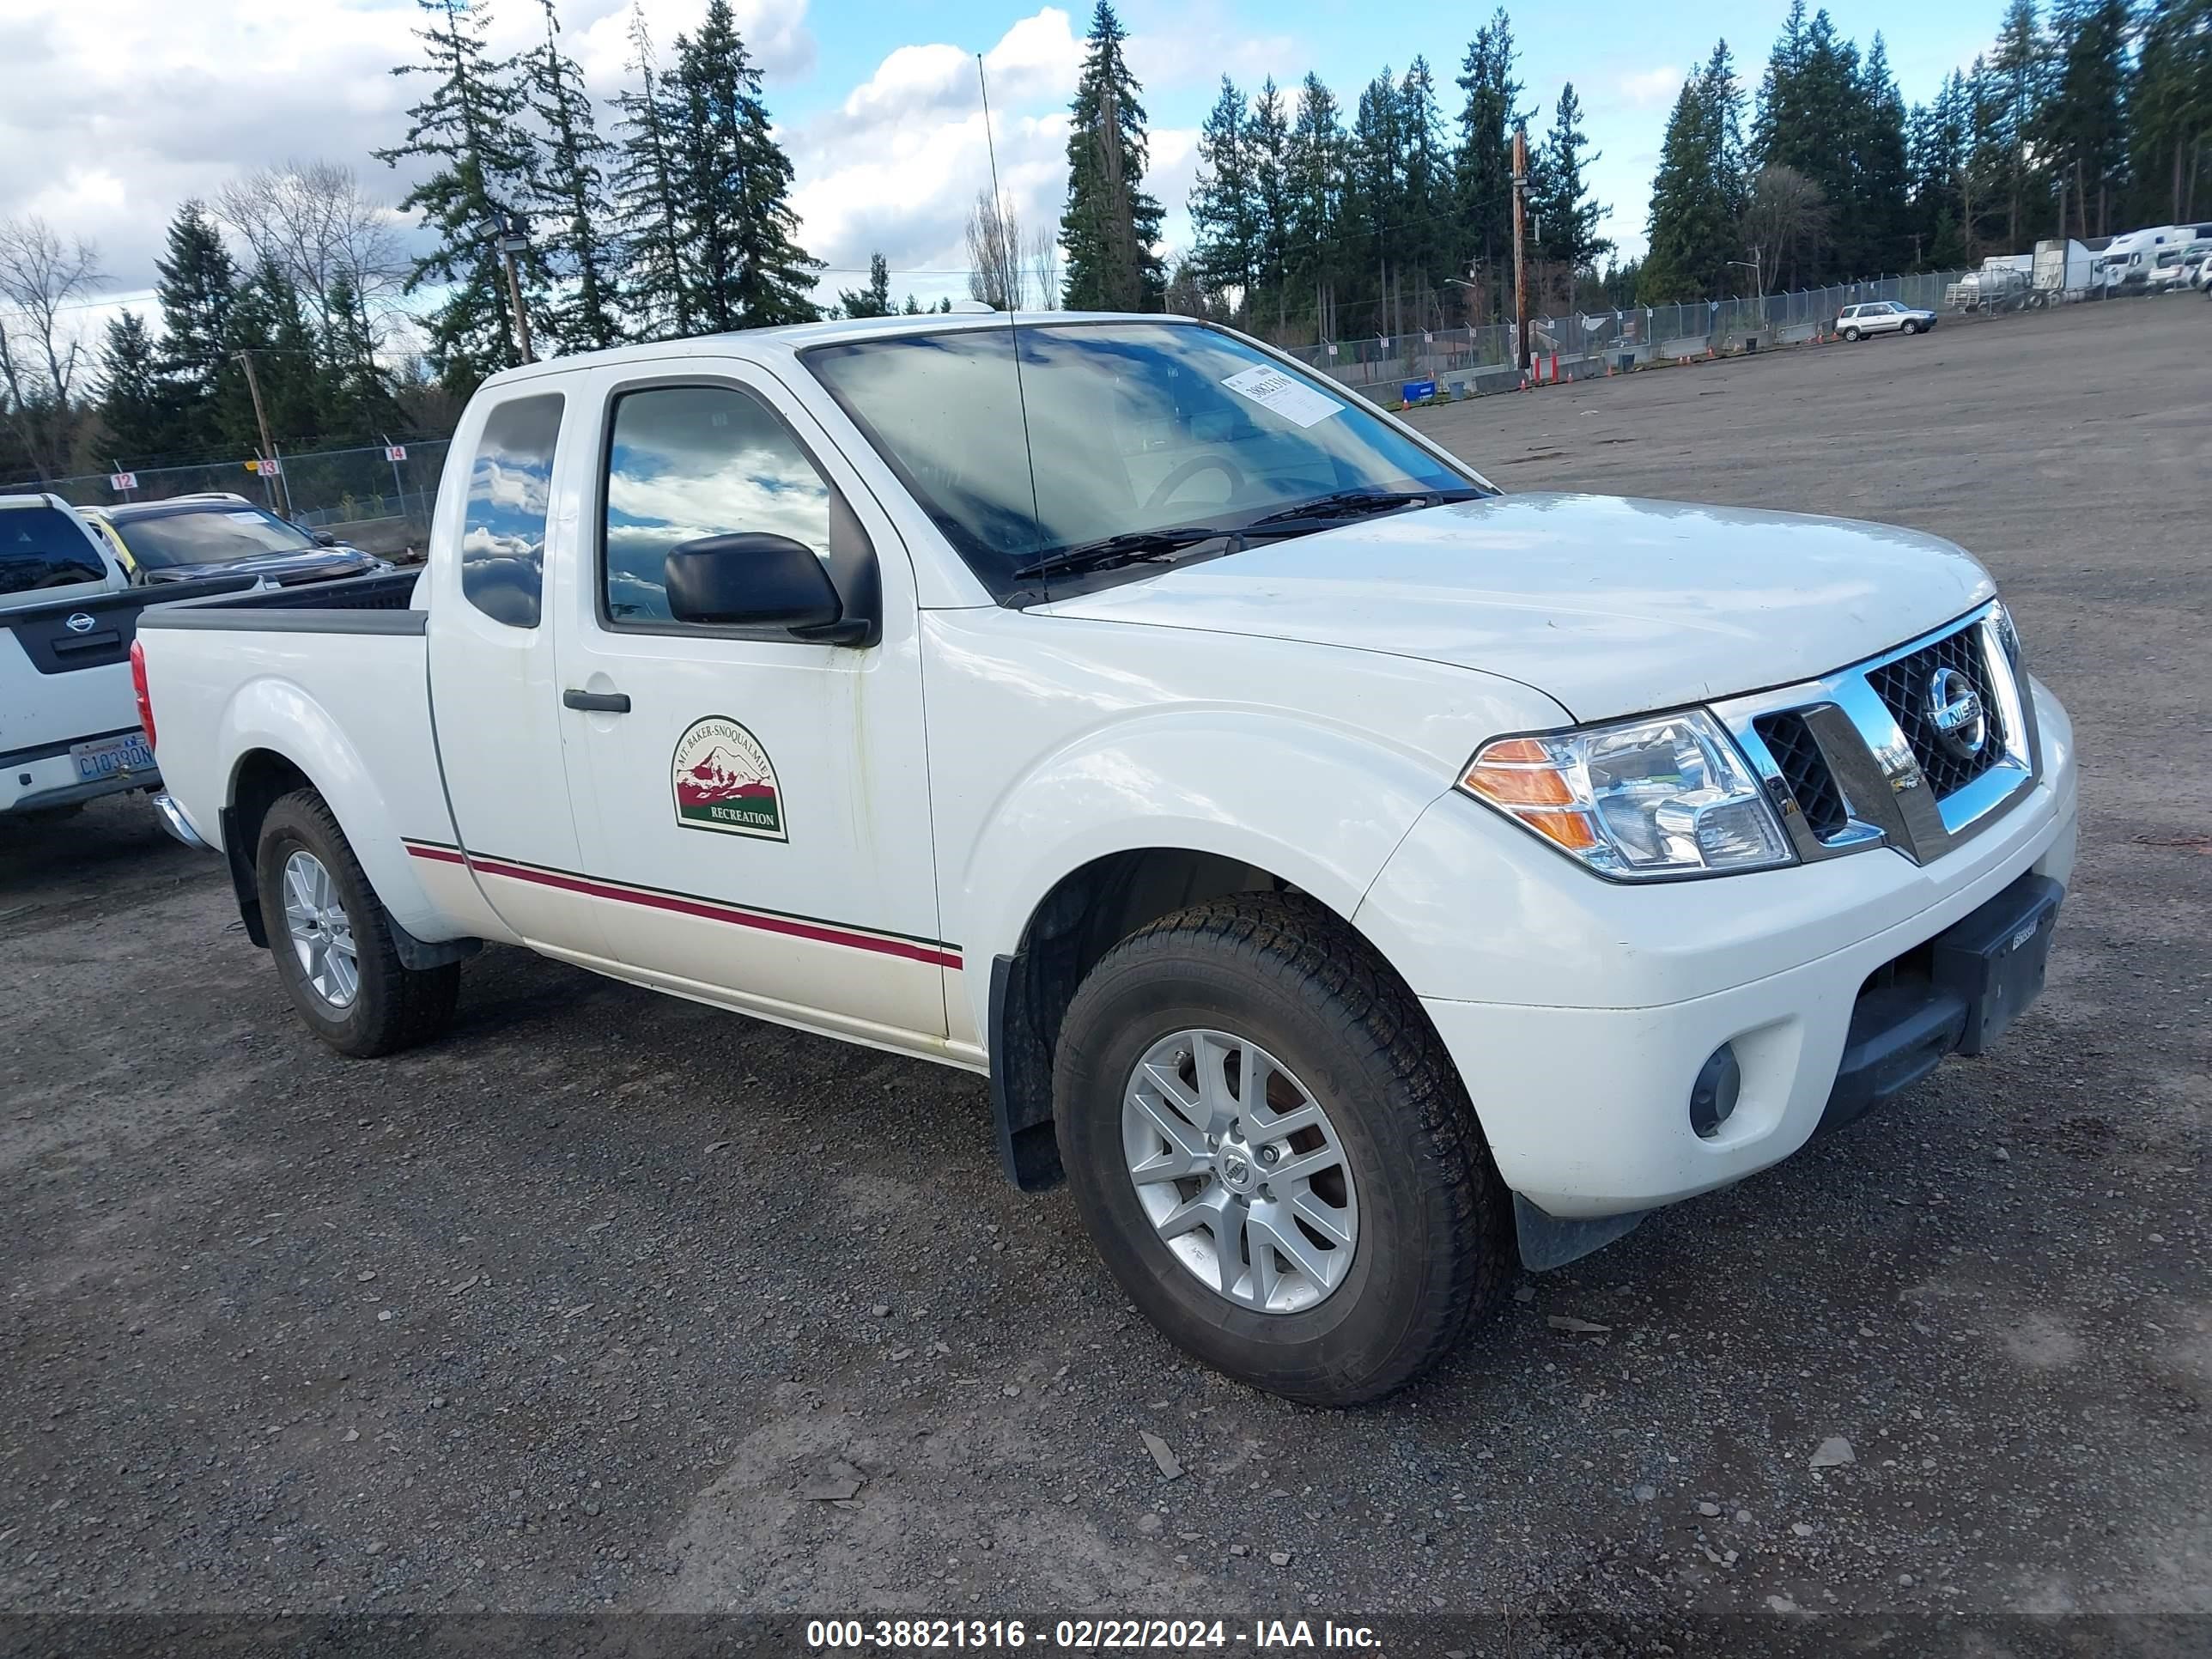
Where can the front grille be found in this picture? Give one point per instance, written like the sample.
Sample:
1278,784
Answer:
1902,687
1805,769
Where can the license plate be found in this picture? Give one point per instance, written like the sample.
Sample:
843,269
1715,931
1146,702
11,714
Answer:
112,755
1996,957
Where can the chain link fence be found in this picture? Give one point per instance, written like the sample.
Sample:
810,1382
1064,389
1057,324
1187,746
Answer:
376,497
1462,360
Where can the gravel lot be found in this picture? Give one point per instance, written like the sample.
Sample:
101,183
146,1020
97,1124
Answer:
573,1309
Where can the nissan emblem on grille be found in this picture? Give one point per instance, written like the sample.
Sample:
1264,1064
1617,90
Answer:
1955,709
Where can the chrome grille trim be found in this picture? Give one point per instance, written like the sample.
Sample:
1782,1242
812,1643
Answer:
1870,759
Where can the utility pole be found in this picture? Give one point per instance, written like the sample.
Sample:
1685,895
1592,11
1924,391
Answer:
1519,252
282,490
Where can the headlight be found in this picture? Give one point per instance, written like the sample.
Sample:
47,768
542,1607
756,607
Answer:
1638,799
2008,635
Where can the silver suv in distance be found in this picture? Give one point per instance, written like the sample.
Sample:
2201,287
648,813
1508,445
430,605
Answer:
1882,317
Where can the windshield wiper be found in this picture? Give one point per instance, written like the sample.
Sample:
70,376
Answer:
1111,552
1356,503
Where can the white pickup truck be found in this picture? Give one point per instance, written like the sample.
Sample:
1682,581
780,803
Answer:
1344,871
69,729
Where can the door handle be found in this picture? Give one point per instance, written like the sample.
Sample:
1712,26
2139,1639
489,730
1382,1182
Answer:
597,702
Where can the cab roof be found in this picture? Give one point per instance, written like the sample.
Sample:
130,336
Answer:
760,344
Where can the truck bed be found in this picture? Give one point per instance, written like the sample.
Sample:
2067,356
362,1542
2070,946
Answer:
329,681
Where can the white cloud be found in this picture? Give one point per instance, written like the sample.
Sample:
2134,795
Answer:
896,168
1648,88
116,111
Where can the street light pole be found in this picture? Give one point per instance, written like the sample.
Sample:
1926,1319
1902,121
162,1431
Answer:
508,233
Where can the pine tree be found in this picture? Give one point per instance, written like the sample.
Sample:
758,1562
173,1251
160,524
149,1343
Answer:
138,407
1224,210
2170,111
568,196
733,187
874,300
1878,239
270,320
1425,237
1483,164
198,290
1313,166
1110,228
1374,187
358,401
1938,134
1565,212
2020,72
468,128
1697,192
1268,139
2084,126
649,213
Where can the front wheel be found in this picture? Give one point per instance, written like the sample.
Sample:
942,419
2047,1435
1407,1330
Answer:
1273,1153
332,941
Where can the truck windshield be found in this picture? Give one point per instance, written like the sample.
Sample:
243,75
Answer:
40,548
210,535
1131,428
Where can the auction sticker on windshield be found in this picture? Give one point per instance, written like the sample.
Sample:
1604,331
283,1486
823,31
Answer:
1295,401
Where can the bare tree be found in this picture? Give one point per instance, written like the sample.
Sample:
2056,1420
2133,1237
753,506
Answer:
1044,266
42,349
314,221
1786,218
994,254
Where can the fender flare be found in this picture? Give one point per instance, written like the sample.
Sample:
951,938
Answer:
279,718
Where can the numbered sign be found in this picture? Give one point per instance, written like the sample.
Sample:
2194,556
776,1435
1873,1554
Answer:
120,481
395,452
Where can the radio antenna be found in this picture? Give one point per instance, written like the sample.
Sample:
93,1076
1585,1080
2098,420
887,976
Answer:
1010,265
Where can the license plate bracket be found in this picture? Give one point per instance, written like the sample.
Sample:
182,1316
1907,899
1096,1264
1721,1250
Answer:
1996,958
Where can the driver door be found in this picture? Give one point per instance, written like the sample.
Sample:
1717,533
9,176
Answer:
759,828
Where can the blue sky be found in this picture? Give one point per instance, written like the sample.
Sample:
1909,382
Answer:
117,110
1625,59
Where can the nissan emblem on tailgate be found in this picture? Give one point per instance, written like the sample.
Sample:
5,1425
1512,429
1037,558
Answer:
78,621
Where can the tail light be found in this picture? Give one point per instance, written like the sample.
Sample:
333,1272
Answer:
138,688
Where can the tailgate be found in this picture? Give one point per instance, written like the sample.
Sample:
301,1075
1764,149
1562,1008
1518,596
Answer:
65,666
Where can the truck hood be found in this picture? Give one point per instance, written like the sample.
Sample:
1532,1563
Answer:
1610,606
317,564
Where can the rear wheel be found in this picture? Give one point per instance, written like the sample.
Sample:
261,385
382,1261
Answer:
1274,1154
1851,334
333,942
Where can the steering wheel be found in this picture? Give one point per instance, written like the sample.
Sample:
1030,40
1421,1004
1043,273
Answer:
1189,470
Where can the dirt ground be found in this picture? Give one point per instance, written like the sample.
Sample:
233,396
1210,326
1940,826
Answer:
569,1310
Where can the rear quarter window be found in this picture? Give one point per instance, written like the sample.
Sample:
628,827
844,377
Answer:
510,483
41,548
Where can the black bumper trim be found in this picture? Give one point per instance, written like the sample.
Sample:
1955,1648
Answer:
1955,995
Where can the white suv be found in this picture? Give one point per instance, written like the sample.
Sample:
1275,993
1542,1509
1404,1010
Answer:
1882,317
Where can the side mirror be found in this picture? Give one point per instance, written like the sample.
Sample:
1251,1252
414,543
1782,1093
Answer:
757,580
324,538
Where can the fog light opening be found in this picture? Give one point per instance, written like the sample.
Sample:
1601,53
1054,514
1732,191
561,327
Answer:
1713,1096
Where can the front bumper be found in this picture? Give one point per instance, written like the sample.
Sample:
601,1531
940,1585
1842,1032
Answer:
1581,1071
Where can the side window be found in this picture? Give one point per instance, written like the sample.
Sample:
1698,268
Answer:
685,462
503,537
